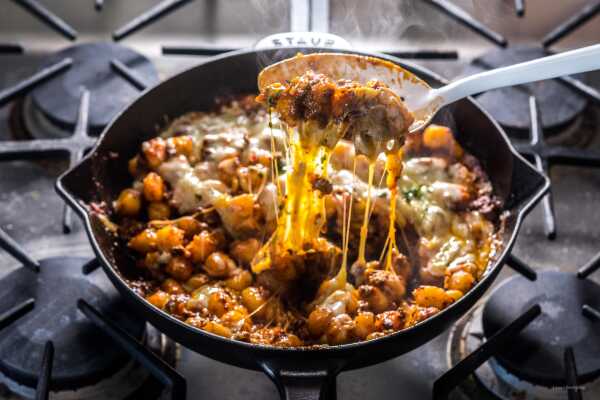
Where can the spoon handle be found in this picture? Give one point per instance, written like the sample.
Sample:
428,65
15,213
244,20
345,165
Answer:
567,63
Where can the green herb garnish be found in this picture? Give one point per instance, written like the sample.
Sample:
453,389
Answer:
413,193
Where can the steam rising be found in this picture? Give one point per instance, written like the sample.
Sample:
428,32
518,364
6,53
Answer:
391,20
378,24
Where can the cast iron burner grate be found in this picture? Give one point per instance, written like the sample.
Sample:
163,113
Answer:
57,305
54,317
59,102
536,354
552,344
545,155
99,68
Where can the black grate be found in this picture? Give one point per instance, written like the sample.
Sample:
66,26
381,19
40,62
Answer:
453,377
585,14
16,312
74,146
136,350
504,339
11,48
545,155
160,10
26,85
113,329
42,391
573,390
48,17
467,20
586,270
81,140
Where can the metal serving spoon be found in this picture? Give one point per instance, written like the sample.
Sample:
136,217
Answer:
421,99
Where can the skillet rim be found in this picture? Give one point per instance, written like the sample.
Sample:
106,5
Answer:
331,350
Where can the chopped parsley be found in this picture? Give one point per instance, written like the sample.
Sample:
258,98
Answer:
414,193
281,165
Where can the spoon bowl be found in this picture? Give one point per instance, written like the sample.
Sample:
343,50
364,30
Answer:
410,88
421,99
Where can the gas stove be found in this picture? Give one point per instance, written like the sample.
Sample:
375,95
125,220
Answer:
66,71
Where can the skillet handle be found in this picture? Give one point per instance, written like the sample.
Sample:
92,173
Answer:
303,385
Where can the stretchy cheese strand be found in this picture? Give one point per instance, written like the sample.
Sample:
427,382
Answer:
342,276
393,167
364,229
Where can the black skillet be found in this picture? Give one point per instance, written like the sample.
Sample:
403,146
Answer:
298,373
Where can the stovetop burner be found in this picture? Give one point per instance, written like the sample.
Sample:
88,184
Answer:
113,74
559,105
83,354
537,354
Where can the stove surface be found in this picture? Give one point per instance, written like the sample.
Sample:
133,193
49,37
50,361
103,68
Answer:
31,211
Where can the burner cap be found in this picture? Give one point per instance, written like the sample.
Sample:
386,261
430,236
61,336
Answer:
83,353
58,99
536,355
558,104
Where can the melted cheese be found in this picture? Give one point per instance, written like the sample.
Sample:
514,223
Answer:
303,214
432,190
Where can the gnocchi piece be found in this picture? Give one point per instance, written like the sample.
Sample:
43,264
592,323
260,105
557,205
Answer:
180,268
318,321
219,265
169,237
219,302
190,225
181,145
227,170
133,166
364,324
340,329
239,280
236,320
262,304
155,152
389,282
171,286
238,214
459,280
201,246
455,294
129,203
144,242
431,296
154,187
159,211
389,320
216,328
196,281
437,137
244,250
159,299
375,298
288,340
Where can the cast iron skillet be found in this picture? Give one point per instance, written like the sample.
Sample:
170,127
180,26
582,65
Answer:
298,373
